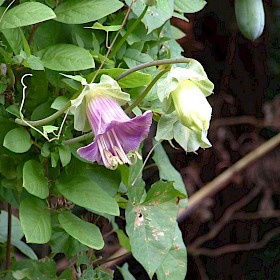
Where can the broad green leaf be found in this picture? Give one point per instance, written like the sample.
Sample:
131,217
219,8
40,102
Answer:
66,57
6,125
64,154
126,273
133,58
43,270
123,239
101,272
8,166
166,169
59,102
14,39
62,242
35,220
110,181
86,193
133,80
25,249
33,62
151,225
175,264
17,232
18,140
165,130
193,6
37,92
82,11
34,180
26,14
156,15
108,28
87,233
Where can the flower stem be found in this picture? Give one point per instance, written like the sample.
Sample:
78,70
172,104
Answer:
51,117
129,31
153,63
145,92
78,139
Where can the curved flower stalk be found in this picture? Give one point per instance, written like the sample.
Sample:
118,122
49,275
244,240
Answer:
117,137
183,95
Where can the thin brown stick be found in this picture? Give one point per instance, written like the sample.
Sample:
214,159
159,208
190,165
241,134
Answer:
238,120
232,248
9,238
223,179
224,219
256,215
201,268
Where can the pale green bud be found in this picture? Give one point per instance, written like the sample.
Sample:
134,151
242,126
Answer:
192,107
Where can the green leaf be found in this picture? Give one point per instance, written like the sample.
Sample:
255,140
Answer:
105,177
17,232
34,180
166,170
64,154
133,80
82,11
18,140
26,14
123,239
34,63
25,249
6,125
37,91
125,272
59,102
66,57
133,57
189,6
151,225
86,193
165,130
35,220
99,26
62,242
156,16
87,233
14,39
175,264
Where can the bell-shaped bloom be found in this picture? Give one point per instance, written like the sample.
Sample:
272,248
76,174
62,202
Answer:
117,137
186,111
193,109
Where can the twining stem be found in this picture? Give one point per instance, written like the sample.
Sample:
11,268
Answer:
145,92
153,63
128,32
50,118
78,139
9,238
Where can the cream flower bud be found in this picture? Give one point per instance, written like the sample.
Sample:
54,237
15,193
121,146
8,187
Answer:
192,107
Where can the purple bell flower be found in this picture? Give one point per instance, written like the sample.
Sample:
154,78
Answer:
117,137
